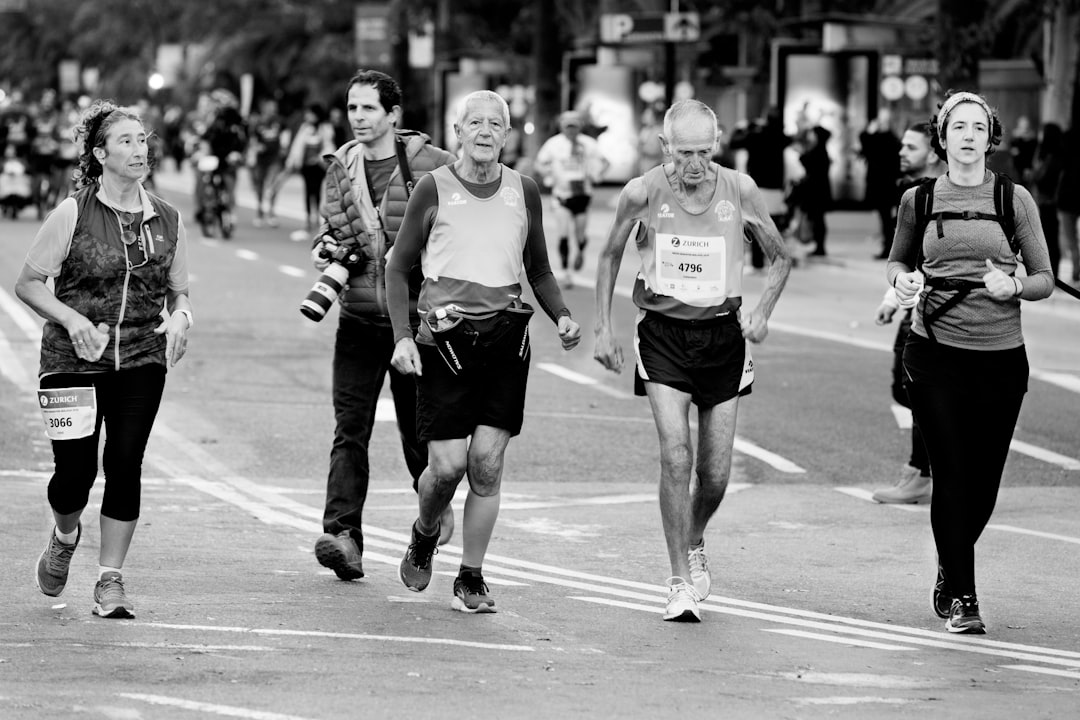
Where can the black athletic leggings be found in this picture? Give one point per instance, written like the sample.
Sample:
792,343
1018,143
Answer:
128,402
966,403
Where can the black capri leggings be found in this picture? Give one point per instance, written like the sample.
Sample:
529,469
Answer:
128,402
966,403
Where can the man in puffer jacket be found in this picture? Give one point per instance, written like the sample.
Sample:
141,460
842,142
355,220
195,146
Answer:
366,189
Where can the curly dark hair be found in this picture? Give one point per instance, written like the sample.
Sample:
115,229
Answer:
936,125
91,132
387,87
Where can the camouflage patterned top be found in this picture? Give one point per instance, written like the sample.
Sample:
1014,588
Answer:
95,273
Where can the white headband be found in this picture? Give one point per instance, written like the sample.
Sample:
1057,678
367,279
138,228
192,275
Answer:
953,100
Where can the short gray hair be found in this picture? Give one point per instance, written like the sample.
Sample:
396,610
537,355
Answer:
685,109
483,96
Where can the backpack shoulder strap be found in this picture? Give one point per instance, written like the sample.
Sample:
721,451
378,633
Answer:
924,206
1003,206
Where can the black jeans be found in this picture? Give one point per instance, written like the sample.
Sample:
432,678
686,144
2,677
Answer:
362,354
967,403
128,402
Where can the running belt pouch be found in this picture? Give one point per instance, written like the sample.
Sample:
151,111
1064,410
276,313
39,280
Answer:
456,343
518,329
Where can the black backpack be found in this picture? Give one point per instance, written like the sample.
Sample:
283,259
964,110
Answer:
1004,215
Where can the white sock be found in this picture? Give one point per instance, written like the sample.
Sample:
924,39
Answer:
102,569
67,538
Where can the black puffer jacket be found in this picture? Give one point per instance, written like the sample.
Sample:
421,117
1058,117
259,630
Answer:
366,296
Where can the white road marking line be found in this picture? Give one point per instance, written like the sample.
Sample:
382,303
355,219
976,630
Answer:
245,254
10,365
867,495
760,611
575,377
226,710
1044,671
766,456
835,639
21,317
848,700
279,632
292,271
945,642
183,646
902,415
1036,533
1063,380
384,411
1048,456
834,337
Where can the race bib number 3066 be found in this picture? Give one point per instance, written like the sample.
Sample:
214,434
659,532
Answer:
69,413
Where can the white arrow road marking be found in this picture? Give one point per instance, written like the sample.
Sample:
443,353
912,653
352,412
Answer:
575,377
292,271
902,415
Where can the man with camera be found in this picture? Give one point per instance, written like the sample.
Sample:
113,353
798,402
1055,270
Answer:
367,186
476,226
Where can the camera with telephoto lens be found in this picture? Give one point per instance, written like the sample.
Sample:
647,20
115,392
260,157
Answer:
330,284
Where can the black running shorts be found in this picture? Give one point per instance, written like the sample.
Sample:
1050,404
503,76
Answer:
707,359
576,204
491,391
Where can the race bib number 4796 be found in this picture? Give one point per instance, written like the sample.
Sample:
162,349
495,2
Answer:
69,413
691,266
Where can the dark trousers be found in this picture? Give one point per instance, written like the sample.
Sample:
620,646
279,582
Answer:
900,395
1048,216
967,403
887,218
128,402
362,354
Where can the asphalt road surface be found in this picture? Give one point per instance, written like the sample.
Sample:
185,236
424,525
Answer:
821,600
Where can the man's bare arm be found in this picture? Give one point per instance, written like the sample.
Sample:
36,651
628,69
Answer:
763,231
632,209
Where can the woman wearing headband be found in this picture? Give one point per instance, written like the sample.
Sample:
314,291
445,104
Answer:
965,366
117,315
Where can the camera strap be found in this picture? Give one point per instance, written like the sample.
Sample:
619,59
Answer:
403,166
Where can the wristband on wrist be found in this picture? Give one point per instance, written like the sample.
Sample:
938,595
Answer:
1019,286
187,314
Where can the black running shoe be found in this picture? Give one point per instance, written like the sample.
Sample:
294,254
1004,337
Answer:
964,616
415,568
942,596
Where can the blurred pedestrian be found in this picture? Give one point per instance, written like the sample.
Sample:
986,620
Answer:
1044,179
918,163
313,140
691,336
367,185
880,148
226,138
965,362
476,226
116,317
1068,201
1023,145
266,160
764,143
571,163
650,151
815,195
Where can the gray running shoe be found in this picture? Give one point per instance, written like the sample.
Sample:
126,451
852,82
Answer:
471,594
54,562
415,568
341,554
964,616
110,601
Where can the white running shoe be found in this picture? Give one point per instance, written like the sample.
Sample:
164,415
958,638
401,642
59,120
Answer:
682,602
699,571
